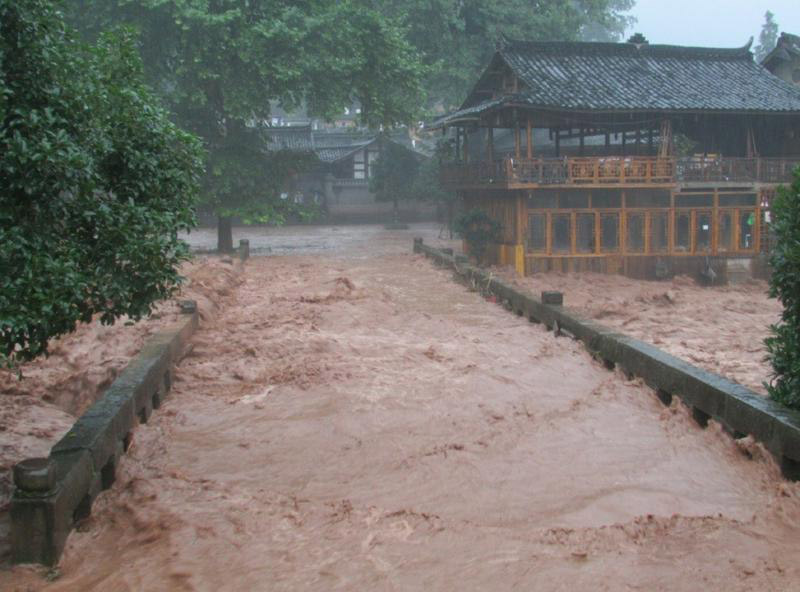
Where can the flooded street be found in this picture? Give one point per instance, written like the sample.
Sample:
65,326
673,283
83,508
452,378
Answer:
352,419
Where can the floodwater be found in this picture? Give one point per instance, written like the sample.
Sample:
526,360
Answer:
355,420
720,329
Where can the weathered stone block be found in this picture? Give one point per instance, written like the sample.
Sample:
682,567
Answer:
35,475
94,432
40,523
552,297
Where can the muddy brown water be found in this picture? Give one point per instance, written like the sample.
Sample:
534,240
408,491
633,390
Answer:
358,421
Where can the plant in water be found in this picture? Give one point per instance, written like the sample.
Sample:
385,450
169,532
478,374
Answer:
479,231
783,346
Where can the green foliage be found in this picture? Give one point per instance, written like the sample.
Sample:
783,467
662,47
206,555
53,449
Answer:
393,174
217,65
783,346
479,231
96,182
457,37
428,182
768,38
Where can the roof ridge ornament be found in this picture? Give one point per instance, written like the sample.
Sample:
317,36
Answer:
638,40
502,42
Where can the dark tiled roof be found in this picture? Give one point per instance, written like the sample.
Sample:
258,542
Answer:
575,76
332,146
623,76
787,48
334,153
295,138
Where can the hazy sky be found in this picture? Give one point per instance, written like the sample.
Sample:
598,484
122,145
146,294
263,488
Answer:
711,23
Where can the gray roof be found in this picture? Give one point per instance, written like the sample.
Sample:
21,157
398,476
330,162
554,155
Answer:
786,49
575,76
294,138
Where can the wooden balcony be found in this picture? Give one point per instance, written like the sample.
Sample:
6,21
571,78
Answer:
613,171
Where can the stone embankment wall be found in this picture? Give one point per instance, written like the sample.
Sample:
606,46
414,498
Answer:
739,410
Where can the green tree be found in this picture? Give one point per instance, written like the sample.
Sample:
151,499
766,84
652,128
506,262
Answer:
457,37
393,174
428,186
783,346
95,182
219,63
768,38
479,230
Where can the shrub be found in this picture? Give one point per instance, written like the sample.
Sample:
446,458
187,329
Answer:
479,231
95,182
783,345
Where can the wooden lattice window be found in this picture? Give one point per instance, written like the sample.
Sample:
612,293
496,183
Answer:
562,233
659,232
725,236
703,230
634,232
584,228
609,233
537,233
747,226
683,236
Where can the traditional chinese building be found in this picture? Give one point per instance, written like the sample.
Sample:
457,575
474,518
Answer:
784,60
624,157
339,181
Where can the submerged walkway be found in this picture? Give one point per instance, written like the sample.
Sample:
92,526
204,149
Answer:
361,422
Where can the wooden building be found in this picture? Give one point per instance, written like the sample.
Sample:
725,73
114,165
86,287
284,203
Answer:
784,60
624,157
339,181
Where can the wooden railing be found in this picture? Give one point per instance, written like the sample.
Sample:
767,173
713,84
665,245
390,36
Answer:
618,170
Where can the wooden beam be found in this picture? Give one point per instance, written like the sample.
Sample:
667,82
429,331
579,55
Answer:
530,139
490,142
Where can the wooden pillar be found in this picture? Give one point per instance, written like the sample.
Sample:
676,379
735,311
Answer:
466,146
517,140
458,143
490,142
530,139
558,142
715,222
582,141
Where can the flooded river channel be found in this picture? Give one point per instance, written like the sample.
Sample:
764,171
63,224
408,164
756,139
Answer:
352,419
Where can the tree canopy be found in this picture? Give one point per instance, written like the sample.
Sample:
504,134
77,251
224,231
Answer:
457,37
783,346
394,173
95,181
768,38
218,64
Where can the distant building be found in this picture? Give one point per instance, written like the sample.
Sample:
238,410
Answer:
632,158
339,182
784,60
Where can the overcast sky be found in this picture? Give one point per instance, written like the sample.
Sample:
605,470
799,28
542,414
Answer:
711,23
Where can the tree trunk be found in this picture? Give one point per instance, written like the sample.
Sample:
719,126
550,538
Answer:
224,235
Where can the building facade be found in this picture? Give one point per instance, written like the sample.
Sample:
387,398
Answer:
784,60
339,182
628,158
